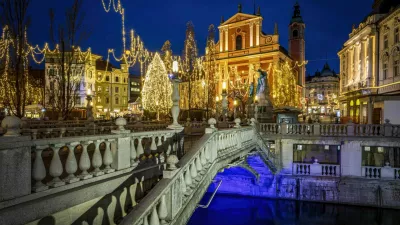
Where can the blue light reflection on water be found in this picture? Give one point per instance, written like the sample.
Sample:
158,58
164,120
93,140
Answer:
241,210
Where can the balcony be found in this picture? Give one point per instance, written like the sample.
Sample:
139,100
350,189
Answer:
316,169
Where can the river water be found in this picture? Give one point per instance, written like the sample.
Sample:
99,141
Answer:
240,210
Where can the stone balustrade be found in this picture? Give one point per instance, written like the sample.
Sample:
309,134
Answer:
317,129
63,161
172,194
385,172
316,169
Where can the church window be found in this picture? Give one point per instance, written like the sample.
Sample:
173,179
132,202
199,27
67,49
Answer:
239,42
295,33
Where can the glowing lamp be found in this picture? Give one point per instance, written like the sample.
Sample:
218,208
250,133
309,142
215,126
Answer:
224,85
217,98
234,102
256,99
91,103
89,92
175,66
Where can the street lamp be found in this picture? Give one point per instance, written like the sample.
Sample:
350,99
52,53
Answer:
175,96
224,100
89,106
256,107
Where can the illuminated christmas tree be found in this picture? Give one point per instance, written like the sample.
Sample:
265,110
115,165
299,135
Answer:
157,88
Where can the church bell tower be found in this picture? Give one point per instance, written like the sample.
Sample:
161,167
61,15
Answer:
297,43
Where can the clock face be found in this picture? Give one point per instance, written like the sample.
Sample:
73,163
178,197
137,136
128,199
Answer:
320,97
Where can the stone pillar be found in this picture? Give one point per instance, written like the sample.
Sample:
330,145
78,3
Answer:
363,57
226,39
370,110
251,34
370,60
121,148
221,42
258,33
175,108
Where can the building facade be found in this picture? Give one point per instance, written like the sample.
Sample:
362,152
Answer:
243,48
134,94
369,67
322,92
111,97
82,76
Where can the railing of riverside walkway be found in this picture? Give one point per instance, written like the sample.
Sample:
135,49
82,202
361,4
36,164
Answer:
180,182
316,129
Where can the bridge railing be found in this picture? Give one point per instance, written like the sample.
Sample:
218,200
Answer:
39,165
317,129
173,192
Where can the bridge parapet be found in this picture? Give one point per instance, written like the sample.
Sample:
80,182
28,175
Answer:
172,195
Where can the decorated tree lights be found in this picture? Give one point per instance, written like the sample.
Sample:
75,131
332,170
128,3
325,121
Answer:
175,97
157,90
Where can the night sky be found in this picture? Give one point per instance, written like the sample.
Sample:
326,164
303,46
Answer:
328,23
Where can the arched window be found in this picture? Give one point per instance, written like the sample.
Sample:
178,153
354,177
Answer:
239,42
295,33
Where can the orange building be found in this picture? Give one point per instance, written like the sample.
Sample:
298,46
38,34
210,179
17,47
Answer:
243,48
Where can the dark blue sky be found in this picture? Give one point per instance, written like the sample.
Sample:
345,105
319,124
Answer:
328,23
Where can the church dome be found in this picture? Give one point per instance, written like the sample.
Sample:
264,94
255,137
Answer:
326,71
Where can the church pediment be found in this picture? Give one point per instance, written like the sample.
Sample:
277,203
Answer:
238,17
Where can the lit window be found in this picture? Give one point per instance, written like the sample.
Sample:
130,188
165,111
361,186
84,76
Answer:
99,88
98,99
107,89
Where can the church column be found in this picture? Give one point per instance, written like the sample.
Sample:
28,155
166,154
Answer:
226,39
251,34
258,33
221,41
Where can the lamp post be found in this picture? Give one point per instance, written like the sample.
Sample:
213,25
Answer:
234,108
256,108
175,97
224,101
216,107
89,106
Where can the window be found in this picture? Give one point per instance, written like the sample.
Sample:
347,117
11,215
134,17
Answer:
325,154
124,89
51,72
116,79
78,100
124,80
379,156
295,33
385,41
135,89
116,89
107,100
116,100
385,70
99,88
124,101
107,89
99,77
396,67
396,35
107,78
98,99
239,42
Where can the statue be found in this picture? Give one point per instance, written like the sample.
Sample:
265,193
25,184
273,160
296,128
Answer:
251,90
262,80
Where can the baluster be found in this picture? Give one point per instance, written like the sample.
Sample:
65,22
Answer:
84,162
153,146
133,153
140,150
159,140
71,165
183,183
97,160
108,158
162,210
39,170
366,171
154,220
297,169
208,154
193,171
203,158
323,170
308,168
301,169
56,168
199,167
146,220
334,170
188,180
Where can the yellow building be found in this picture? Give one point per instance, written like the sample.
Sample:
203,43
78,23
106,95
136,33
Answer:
243,48
111,97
